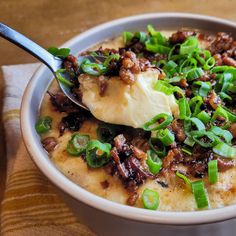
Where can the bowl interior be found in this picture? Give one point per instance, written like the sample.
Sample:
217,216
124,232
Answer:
42,79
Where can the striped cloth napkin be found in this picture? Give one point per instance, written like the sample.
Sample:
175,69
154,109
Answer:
30,205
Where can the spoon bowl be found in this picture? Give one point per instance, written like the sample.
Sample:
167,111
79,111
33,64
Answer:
52,62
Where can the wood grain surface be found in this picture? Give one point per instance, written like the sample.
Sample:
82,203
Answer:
51,22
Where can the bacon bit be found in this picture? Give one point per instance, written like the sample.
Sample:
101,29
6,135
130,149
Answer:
102,83
168,160
132,198
178,129
213,100
180,36
224,165
105,184
218,59
139,153
121,168
232,129
119,142
183,83
229,61
140,143
49,143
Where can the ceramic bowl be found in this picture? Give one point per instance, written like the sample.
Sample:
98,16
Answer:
103,216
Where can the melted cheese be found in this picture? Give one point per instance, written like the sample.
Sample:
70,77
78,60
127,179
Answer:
131,105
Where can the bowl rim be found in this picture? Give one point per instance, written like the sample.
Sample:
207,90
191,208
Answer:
62,182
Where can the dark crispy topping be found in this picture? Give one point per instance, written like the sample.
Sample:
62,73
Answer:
132,198
224,165
62,103
163,184
49,143
180,36
73,121
126,159
105,184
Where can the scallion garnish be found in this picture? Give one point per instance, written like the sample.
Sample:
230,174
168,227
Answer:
224,134
212,171
204,117
154,162
201,88
62,79
158,122
184,109
97,153
200,194
150,199
77,144
184,178
165,136
204,138
158,147
59,52
190,44
127,36
43,125
225,150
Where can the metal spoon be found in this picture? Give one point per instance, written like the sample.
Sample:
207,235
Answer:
52,62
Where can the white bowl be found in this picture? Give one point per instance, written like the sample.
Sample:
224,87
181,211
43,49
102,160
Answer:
103,216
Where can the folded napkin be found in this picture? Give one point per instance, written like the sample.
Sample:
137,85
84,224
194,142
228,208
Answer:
30,205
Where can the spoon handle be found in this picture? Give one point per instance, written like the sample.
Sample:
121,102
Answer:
34,49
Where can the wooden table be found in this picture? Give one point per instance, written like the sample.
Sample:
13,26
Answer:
50,22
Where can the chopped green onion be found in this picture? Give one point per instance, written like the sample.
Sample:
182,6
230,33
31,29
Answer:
165,87
71,149
156,48
204,138
148,126
221,112
212,171
150,199
218,69
141,36
43,125
165,136
59,52
209,63
225,134
190,44
189,123
184,178
189,141
97,153
195,105
92,68
187,151
115,57
231,116
225,150
187,65
205,88
106,132
62,79
200,194
170,68
127,36
204,117
157,147
195,73
77,144
154,162
184,109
